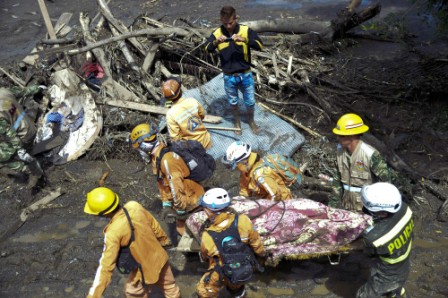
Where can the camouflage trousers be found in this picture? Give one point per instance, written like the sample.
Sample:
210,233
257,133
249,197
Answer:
7,160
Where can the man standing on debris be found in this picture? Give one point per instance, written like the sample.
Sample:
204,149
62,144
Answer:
269,177
226,232
179,195
134,227
17,132
184,118
358,164
388,240
234,41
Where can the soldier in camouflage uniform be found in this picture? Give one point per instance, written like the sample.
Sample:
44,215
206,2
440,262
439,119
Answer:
17,132
358,164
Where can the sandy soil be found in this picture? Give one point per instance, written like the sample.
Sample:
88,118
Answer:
55,253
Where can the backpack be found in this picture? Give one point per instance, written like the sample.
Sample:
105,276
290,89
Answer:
238,258
286,167
199,162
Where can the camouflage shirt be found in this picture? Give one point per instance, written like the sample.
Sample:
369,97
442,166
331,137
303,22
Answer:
365,166
10,143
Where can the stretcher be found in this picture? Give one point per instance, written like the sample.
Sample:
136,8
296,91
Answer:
293,230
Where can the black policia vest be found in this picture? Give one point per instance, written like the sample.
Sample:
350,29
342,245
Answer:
392,237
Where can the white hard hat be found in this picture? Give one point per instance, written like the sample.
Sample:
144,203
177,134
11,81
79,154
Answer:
236,152
215,199
381,196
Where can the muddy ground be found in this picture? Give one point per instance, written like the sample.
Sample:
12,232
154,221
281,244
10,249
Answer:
55,252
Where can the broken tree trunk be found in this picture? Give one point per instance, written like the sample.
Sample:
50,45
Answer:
327,30
119,25
347,21
295,25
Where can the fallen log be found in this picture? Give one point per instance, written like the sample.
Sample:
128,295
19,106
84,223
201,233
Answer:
290,25
119,26
154,109
129,35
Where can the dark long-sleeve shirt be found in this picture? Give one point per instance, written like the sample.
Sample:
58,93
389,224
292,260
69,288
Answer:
235,56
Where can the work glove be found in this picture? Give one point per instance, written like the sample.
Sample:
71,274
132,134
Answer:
168,215
24,156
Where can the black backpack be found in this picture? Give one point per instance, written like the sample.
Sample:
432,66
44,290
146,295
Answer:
201,164
238,258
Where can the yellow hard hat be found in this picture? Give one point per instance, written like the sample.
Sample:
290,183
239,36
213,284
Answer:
350,124
143,133
100,201
171,89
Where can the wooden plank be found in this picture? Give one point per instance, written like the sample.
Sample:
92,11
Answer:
154,109
47,20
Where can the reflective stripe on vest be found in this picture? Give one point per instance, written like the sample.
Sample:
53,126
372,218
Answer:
352,188
400,258
243,32
389,236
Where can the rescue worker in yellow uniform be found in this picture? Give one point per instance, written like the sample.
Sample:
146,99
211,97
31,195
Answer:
17,132
184,118
358,164
388,240
146,247
222,221
256,180
179,195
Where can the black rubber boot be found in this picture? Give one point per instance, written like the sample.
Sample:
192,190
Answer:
236,119
255,129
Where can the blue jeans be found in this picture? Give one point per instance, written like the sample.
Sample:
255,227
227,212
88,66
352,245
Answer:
243,81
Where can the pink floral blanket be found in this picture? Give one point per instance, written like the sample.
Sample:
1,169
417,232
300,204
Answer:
296,229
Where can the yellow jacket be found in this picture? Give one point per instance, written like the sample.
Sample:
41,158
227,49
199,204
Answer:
182,193
184,121
222,222
146,248
261,181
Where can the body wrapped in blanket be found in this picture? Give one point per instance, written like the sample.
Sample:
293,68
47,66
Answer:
296,229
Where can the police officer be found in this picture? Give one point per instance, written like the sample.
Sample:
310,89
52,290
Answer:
358,164
388,240
17,132
216,202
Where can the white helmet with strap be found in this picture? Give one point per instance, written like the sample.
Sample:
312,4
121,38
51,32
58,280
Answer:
236,152
381,196
215,199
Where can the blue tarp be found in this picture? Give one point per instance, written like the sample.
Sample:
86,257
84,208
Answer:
276,135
